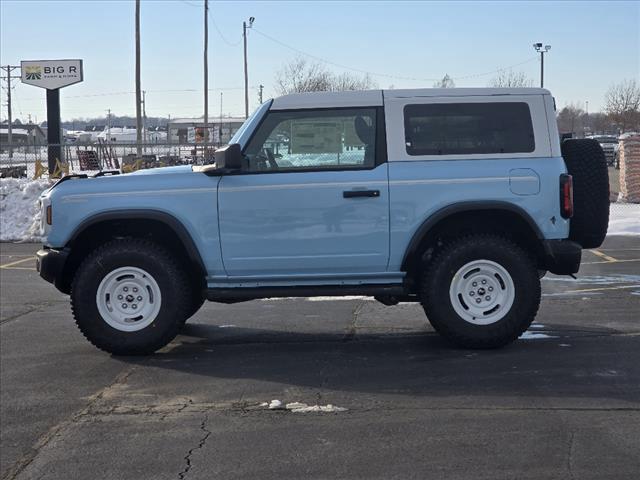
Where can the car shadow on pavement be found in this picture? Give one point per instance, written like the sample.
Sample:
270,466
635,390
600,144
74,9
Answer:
573,364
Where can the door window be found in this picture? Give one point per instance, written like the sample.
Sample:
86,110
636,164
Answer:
314,140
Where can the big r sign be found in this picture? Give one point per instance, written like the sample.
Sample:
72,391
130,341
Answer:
51,74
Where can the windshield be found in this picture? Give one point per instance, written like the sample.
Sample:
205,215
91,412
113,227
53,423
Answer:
244,132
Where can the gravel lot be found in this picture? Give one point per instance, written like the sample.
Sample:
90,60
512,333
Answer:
562,403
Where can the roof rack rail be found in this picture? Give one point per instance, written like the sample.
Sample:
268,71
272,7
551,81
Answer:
107,173
70,177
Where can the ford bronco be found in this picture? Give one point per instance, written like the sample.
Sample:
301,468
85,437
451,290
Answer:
460,199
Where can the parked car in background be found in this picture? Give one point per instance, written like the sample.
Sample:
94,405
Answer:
609,144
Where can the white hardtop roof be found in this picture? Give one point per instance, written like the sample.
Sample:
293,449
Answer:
374,98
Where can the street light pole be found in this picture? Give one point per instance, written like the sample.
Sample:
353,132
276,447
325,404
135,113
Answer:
206,77
539,48
138,88
246,73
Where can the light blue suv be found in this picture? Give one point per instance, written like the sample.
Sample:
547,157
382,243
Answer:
460,199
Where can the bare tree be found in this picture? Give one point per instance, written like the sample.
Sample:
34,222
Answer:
446,82
510,79
622,104
300,75
570,119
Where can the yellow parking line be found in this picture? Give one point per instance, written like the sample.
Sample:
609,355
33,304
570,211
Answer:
17,262
608,261
603,255
584,290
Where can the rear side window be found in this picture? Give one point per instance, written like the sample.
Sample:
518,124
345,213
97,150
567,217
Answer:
468,128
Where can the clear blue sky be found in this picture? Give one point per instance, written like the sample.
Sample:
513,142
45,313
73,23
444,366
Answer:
594,44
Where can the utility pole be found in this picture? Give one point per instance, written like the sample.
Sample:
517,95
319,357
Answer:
246,73
108,125
220,125
260,93
138,99
542,51
8,69
144,117
206,78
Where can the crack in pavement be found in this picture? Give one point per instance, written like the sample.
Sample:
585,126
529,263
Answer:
351,331
190,407
31,309
570,455
23,462
203,440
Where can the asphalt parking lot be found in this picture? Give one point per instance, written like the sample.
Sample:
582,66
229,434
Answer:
563,402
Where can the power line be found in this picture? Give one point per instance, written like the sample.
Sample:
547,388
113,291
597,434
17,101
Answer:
378,74
191,4
222,36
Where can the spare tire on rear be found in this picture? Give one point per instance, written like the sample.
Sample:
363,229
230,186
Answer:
587,165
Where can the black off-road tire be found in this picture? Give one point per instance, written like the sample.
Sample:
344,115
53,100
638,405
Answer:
150,257
587,165
438,276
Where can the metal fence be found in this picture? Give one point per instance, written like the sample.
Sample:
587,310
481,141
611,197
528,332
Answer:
31,161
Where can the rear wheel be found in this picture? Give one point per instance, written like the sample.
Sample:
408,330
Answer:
129,297
481,291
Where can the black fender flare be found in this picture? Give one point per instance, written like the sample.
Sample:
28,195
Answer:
424,229
146,214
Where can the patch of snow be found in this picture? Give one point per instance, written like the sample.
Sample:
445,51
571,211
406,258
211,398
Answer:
596,279
624,219
226,326
567,294
299,407
534,335
331,299
536,325
564,344
19,210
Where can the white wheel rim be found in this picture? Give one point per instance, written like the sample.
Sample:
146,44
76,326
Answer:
482,292
128,299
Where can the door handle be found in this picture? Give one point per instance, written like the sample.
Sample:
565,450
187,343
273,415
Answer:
360,193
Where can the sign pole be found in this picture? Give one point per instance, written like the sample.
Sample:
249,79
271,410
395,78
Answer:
53,128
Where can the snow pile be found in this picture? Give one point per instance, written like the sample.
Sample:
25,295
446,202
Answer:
299,407
19,211
624,219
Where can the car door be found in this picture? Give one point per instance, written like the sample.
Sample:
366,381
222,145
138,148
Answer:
312,198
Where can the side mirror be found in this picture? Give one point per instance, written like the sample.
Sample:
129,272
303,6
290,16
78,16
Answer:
229,157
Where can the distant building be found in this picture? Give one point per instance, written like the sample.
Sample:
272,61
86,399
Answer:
191,130
22,134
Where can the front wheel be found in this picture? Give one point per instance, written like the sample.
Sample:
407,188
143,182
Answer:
481,291
129,297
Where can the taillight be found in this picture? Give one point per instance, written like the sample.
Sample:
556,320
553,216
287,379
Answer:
49,215
566,195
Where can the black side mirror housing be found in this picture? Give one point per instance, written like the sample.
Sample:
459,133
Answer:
229,157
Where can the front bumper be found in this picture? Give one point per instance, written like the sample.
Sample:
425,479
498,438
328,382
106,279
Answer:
562,257
50,264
